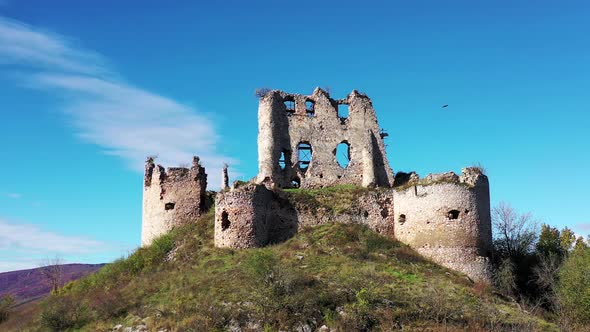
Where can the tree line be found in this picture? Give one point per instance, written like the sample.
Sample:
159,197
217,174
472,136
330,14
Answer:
544,269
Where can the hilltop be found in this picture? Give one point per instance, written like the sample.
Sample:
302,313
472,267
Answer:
342,276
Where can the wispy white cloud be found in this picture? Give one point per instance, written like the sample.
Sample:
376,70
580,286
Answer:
21,44
583,226
31,238
27,245
104,109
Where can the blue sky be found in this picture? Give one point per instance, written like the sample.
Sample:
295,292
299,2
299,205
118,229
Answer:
88,89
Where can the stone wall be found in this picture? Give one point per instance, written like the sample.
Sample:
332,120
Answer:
447,218
242,217
287,120
372,208
171,197
254,216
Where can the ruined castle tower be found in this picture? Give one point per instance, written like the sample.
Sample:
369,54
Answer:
171,197
446,218
298,139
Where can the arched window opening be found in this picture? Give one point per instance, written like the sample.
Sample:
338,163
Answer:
304,154
289,105
343,154
284,159
224,221
402,219
310,108
295,183
453,215
343,110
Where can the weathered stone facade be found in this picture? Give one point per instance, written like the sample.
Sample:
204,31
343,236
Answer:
254,216
293,126
171,197
242,217
446,217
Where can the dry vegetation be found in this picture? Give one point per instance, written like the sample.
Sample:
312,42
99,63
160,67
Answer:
344,276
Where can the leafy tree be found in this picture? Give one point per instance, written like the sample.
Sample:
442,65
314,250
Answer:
573,291
580,245
549,242
567,239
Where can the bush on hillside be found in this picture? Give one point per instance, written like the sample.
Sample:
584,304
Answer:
573,291
60,313
5,303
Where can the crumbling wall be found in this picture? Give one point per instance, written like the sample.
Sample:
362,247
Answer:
372,208
253,216
171,197
242,217
447,218
287,120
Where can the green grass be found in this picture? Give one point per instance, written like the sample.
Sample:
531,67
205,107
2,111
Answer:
427,182
344,276
337,199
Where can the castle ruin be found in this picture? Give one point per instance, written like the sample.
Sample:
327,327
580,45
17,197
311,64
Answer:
171,197
298,137
445,217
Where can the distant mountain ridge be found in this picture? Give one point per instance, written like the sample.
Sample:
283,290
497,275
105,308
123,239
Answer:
27,285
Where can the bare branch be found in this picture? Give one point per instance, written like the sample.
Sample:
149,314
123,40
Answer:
514,234
52,270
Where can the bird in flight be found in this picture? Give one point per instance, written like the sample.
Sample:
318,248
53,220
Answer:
445,106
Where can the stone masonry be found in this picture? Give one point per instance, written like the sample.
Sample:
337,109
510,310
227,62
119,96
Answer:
445,217
171,197
253,216
291,126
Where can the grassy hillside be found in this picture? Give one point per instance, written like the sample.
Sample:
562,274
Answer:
31,284
343,276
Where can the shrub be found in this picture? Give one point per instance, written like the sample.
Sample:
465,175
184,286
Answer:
60,313
5,303
573,291
481,168
109,303
261,92
359,315
505,278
